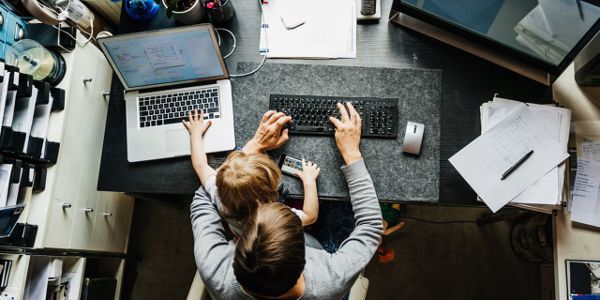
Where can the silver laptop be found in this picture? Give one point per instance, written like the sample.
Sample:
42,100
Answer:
166,74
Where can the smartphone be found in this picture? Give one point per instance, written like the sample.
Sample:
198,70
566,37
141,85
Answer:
289,165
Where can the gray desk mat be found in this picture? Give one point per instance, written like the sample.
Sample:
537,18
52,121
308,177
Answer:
397,176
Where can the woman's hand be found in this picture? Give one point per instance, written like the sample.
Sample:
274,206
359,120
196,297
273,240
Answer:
270,133
347,133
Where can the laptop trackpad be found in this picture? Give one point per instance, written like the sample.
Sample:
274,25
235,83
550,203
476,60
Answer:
177,140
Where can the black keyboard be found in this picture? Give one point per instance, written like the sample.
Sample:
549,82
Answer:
310,114
172,108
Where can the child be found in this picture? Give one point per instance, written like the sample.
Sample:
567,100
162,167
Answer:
244,181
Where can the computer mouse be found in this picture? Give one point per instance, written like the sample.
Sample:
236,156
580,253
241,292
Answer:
413,138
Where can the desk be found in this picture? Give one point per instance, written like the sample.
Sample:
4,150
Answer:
571,240
467,81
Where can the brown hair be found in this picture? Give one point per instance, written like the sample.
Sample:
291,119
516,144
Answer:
269,256
243,182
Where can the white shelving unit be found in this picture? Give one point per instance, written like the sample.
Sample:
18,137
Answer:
72,217
70,213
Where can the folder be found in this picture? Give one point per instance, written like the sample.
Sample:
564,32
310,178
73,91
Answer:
23,117
39,148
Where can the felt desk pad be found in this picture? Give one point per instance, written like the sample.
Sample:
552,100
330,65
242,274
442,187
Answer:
396,175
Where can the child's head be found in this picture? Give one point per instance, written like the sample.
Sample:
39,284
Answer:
244,181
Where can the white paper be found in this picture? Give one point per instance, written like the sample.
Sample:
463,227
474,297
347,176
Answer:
484,160
328,32
5,171
556,123
23,117
591,150
74,281
3,92
11,97
37,280
586,193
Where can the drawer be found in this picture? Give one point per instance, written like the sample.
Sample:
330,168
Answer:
60,223
113,222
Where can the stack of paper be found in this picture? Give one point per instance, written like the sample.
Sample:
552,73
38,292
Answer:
511,129
585,206
327,30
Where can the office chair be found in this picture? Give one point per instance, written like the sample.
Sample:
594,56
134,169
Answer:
357,292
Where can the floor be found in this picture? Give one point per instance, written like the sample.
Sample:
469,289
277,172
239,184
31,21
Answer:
433,261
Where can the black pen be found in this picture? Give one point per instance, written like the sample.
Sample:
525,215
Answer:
515,166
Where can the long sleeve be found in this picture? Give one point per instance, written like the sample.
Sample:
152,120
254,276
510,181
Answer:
213,253
356,251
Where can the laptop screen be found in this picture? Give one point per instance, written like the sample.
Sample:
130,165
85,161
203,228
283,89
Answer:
165,57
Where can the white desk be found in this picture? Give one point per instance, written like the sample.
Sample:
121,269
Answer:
572,241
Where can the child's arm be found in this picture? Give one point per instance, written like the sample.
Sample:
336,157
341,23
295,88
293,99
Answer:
197,127
309,175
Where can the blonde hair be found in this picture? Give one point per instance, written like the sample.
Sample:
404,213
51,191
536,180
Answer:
245,181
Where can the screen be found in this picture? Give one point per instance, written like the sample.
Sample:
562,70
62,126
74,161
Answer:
165,58
546,30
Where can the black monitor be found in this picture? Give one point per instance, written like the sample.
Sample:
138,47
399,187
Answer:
546,34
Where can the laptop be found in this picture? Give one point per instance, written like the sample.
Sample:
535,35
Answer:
166,74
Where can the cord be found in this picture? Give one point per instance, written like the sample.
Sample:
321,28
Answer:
64,14
436,222
232,36
262,21
90,34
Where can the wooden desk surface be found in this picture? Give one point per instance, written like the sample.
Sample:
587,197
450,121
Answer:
467,81
572,240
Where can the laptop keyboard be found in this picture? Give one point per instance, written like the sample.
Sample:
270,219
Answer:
172,108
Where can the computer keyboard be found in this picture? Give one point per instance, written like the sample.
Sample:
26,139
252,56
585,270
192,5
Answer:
310,114
172,108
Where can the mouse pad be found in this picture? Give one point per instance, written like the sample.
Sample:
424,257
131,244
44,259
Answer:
397,176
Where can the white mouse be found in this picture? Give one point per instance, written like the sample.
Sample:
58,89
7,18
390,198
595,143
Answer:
413,138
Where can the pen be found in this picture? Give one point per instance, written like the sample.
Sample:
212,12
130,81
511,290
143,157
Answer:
516,165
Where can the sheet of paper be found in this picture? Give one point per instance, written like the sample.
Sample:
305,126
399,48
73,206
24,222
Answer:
484,160
328,32
23,117
556,123
586,193
591,150
11,98
5,170
37,279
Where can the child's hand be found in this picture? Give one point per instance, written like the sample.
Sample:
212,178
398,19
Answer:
195,125
310,171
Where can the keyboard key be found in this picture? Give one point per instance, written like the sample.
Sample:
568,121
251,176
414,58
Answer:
310,114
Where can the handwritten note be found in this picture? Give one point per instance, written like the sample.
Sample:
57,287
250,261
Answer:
586,193
483,161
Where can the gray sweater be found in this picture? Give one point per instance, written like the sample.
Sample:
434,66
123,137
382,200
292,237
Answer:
327,276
